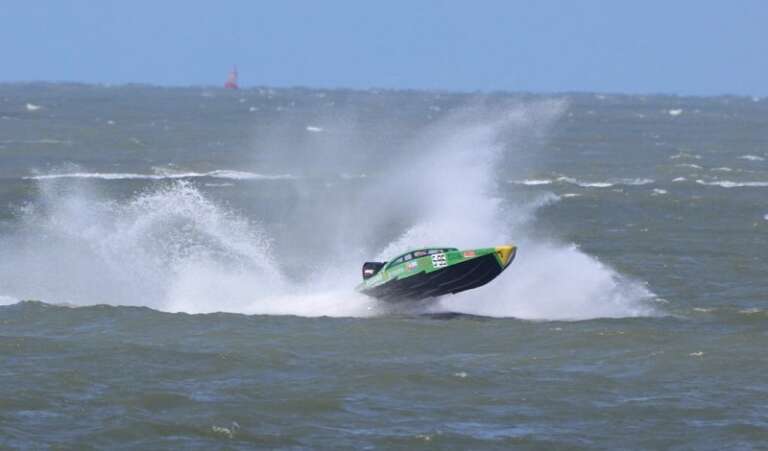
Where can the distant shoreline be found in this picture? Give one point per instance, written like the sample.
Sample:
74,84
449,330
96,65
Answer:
375,90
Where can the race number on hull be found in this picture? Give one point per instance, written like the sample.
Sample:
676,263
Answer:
439,261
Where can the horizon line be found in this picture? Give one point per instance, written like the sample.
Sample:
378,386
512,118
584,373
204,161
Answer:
753,97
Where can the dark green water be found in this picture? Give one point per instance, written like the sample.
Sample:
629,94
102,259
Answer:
194,251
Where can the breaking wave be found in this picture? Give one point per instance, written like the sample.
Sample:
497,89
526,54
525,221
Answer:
731,184
584,184
218,174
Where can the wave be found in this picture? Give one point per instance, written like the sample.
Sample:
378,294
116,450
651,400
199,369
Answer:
595,184
751,158
637,181
731,184
734,313
584,184
38,141
218,174
680,155
533,182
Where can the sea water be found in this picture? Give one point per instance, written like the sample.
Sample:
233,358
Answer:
177,269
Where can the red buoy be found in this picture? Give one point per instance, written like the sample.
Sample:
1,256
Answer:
232,79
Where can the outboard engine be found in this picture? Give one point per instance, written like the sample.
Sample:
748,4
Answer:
370,269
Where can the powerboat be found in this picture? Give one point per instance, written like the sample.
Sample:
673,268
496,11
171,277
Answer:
435,271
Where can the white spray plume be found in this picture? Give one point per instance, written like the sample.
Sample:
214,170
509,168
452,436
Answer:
456,200
173,249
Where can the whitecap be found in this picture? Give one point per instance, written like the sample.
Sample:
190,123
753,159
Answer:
675,112
596,185
314,129
228,432
751,158
731,184
688,165
722,169
33,107
532,182
684,155
38,141
219,173
679,179
568,195
606,184
583,184
659,191
637,181
347,176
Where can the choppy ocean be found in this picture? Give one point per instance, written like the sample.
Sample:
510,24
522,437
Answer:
177,269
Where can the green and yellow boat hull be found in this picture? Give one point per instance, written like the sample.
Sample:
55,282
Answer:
432,272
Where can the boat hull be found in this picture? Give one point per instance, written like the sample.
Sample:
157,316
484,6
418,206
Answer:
455,278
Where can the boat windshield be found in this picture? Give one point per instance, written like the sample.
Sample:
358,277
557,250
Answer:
418,254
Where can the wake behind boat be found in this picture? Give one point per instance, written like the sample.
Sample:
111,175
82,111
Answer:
431,272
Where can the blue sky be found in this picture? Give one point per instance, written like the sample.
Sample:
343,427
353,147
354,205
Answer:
650,46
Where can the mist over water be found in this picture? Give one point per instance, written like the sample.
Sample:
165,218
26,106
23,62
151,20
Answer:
171,247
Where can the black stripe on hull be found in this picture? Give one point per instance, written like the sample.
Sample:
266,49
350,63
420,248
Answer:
452,279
